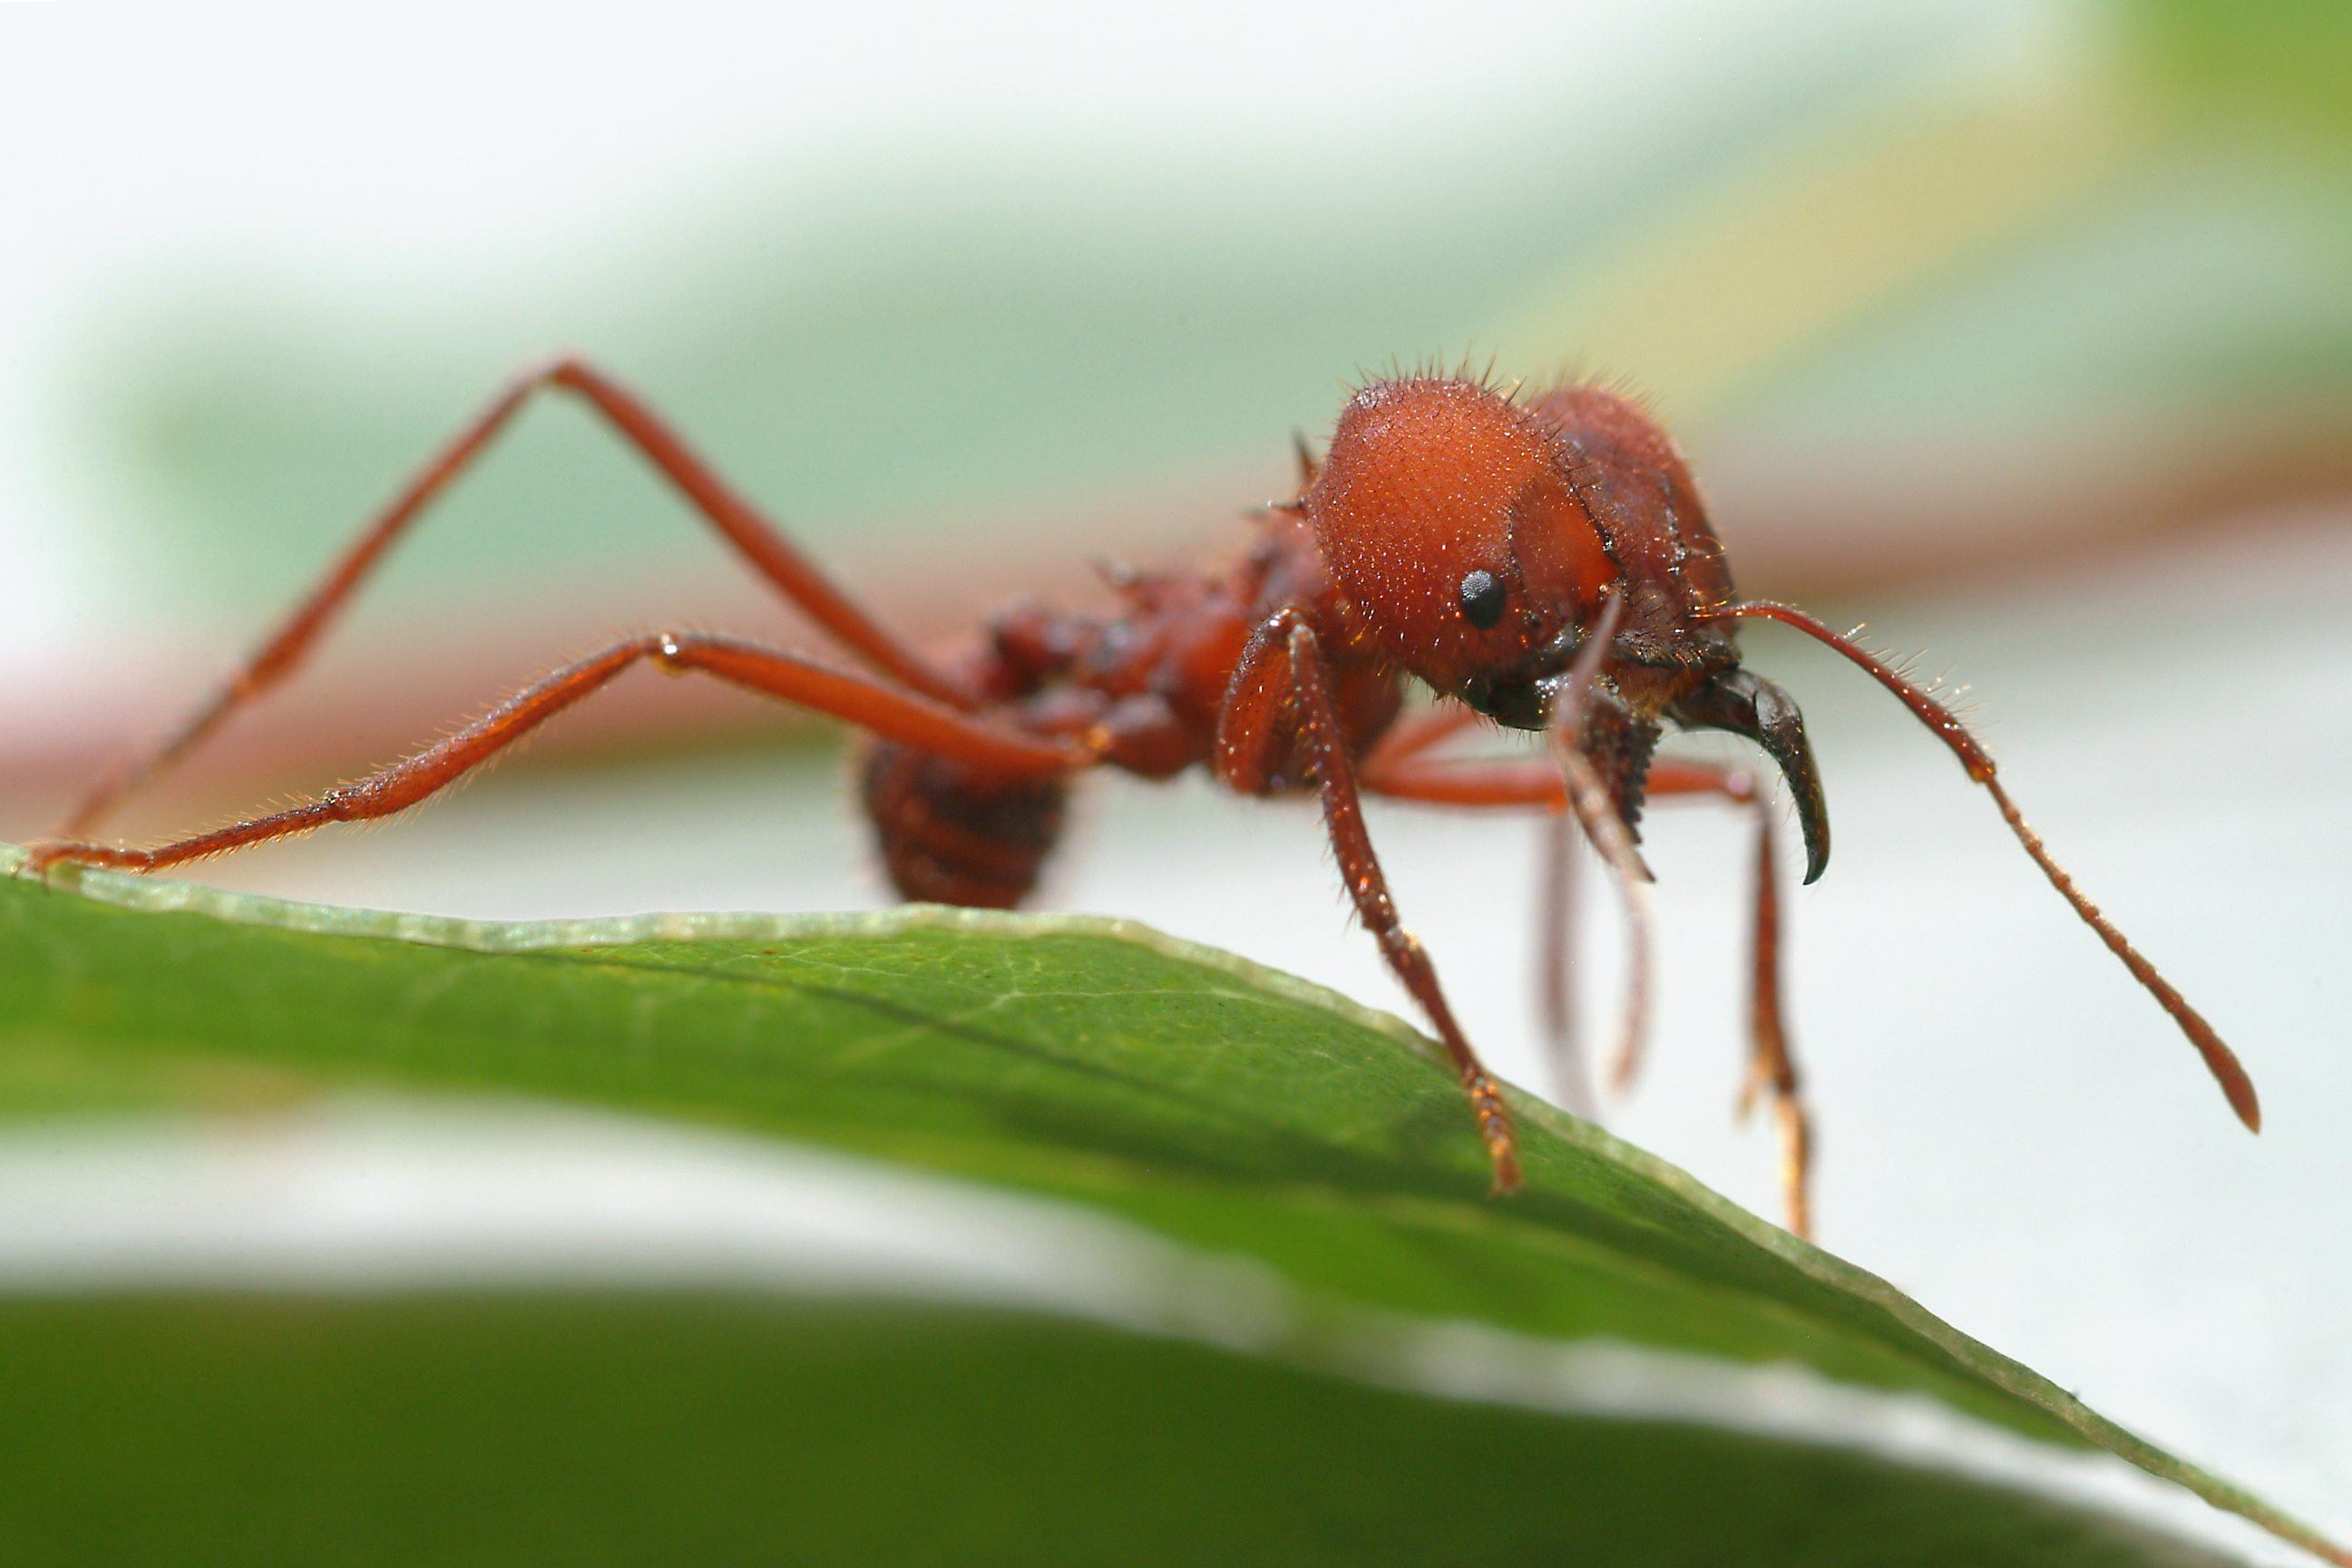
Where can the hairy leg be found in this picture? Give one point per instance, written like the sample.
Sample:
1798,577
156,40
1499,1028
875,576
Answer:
1282,689
907,717
1400,765
1532,784
1771,1062
766,551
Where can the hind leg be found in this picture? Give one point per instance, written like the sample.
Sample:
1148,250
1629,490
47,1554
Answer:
873,705
766,551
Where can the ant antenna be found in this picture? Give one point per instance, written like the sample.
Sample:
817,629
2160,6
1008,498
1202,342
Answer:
2220,1059
1589,799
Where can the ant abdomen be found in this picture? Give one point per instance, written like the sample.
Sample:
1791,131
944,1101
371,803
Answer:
951,835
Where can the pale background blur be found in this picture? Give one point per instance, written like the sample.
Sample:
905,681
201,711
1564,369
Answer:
2022,330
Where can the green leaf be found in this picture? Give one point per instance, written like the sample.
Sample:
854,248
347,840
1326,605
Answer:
2279,66
715,1430
1237,1111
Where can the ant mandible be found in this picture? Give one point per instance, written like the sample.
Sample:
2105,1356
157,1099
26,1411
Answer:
1545,563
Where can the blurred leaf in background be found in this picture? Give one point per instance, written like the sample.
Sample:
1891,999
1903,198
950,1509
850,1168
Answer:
644,1430
1925,289
2027,224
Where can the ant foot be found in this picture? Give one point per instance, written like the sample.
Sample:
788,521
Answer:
42,855
1796,1164
1495,1129
35,866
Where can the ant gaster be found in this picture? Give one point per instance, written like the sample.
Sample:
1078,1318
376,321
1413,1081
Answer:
1546,563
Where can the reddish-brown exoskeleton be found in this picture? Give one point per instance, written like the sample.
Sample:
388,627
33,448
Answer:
1544,562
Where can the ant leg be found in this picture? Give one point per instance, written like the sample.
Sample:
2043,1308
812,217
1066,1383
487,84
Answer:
1422,730
1526,782
1438,782
1572,1076
1772,1062
907,719
766,550
1772,1065
1250,732
1406,742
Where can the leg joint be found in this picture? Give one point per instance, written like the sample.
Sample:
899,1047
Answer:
564,368
670,652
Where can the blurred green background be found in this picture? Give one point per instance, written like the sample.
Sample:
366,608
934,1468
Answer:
1927,290
2023,328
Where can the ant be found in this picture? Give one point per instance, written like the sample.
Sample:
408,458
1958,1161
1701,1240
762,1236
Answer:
1543,561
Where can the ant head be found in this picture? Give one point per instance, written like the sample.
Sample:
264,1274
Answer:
1460,527
1448,518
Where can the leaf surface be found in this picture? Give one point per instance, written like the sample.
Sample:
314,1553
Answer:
1237,1112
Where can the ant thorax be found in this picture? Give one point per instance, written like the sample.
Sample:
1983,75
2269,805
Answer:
1147,684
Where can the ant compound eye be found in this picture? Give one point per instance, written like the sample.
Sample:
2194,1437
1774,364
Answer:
1482,600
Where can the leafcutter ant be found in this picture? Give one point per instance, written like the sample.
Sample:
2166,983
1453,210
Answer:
1544,562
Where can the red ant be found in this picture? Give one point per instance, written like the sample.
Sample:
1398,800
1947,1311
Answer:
1546,563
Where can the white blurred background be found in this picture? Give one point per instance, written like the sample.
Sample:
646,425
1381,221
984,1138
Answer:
1979,322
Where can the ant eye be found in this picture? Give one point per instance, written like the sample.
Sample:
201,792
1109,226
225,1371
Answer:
1482,600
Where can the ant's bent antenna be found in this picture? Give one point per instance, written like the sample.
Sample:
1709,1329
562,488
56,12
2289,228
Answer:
2220,1059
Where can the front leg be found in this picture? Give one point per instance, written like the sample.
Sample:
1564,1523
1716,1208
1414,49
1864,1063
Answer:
1284,675
1514,783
